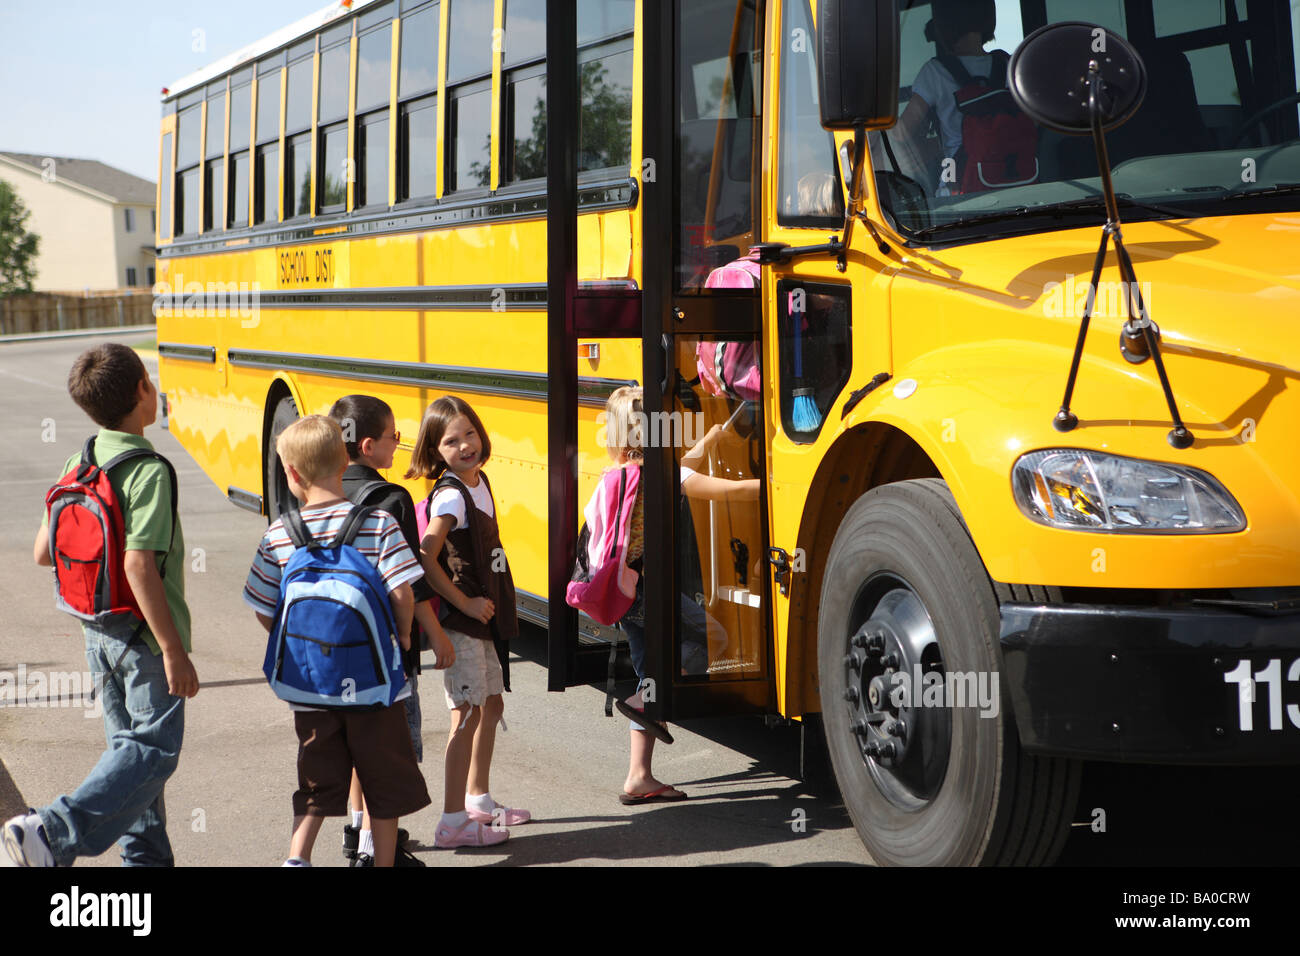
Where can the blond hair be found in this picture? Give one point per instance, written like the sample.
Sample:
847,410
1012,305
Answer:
625,424
314,446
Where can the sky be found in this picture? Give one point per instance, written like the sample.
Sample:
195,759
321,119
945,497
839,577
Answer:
82,79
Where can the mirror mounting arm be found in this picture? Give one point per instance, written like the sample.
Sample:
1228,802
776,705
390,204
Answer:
773,253
1140,338
858,162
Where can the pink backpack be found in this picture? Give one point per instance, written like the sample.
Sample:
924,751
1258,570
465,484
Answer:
603,586
731,368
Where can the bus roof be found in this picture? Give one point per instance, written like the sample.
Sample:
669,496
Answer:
308,25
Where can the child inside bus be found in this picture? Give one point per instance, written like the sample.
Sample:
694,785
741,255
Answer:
465,562
960,28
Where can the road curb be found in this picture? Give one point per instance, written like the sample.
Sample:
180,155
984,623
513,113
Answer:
79,333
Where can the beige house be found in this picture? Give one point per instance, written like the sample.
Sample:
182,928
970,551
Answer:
96,223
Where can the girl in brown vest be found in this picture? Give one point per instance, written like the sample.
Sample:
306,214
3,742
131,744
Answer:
465,562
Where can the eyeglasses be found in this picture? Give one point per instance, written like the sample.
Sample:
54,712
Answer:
396,436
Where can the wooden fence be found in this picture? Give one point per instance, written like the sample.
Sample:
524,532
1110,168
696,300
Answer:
58,312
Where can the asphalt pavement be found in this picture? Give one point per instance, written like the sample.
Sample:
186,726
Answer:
229,802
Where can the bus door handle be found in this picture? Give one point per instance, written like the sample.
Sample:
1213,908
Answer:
779,558
667,348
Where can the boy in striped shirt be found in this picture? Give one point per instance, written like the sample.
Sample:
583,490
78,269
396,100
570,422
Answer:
332,742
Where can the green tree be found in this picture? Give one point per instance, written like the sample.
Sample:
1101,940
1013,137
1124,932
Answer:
17,245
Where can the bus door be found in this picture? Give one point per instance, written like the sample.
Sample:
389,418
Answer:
708,607
708,647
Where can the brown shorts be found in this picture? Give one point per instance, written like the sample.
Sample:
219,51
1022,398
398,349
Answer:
377,743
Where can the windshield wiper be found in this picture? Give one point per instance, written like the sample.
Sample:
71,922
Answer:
1054,210
1280,189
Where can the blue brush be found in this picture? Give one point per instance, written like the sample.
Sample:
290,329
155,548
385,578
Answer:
805,417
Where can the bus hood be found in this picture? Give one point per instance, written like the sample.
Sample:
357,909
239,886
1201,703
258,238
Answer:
1221,289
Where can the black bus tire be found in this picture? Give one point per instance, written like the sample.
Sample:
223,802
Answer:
992,804
284,414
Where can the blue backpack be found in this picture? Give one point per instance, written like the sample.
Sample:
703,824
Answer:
333,642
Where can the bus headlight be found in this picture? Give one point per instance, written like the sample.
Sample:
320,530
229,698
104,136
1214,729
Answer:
1090,491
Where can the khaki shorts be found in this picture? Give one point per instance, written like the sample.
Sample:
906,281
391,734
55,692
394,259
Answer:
476,675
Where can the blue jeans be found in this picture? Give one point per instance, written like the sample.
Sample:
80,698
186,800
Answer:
694,628
122,797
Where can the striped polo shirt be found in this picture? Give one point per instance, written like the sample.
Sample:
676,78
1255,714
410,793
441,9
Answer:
379,539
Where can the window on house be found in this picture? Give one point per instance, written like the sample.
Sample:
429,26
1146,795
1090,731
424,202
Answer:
130,276
130,219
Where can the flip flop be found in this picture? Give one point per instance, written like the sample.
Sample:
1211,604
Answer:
634,715
654,796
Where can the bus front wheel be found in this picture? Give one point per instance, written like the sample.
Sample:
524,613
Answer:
920,731
284,412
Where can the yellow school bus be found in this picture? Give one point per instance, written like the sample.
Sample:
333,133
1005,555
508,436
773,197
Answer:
1025,502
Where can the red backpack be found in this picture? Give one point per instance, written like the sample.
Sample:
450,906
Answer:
999,143
87,538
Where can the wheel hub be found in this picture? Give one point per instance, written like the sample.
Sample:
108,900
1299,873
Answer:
903,742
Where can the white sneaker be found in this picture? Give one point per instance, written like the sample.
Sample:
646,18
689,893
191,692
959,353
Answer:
295,861
25,841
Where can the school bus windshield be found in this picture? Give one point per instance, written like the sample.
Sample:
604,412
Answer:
1218,133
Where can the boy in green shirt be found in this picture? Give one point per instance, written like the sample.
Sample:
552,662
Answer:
144,682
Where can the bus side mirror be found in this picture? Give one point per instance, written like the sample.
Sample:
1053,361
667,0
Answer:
858,63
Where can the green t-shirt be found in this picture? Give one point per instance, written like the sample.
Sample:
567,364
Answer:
143,490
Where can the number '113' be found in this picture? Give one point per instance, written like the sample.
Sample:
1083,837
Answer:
1272,676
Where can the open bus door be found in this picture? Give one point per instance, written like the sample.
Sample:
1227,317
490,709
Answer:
708,612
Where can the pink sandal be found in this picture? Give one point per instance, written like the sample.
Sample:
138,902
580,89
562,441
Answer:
470,833
507,816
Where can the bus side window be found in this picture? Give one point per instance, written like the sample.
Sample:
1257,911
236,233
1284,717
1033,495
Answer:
468,153
523,113
297,130
417,94
815,353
